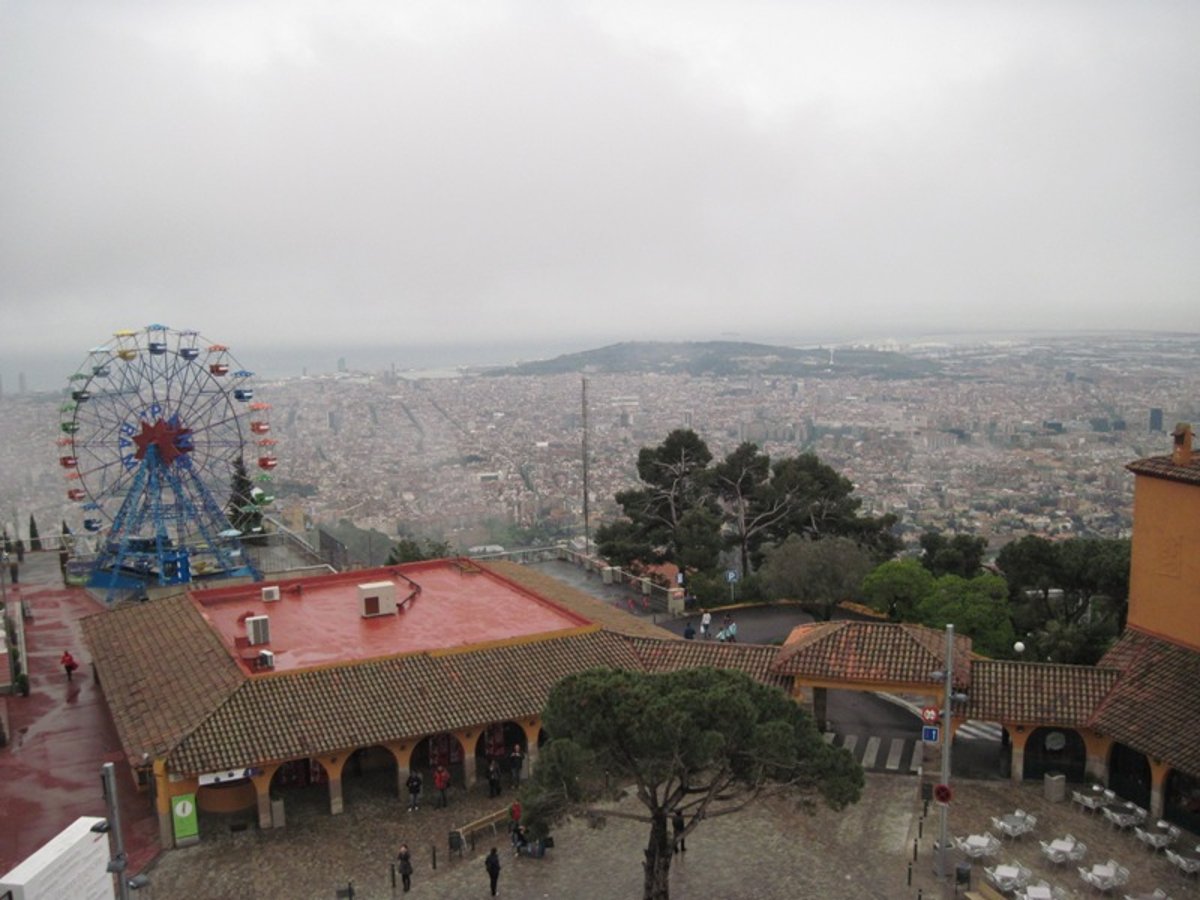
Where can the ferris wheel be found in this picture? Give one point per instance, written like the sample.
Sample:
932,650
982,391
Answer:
154,441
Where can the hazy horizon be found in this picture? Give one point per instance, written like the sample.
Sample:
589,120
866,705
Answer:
427,175
50,372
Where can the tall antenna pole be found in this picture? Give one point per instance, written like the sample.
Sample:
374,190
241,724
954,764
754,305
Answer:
587,525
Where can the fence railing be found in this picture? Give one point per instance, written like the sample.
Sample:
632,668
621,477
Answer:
646,594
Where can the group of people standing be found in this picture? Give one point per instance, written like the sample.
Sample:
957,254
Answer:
514,763
728,630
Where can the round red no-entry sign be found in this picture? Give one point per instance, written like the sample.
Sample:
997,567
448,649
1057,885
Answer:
942,793
930,715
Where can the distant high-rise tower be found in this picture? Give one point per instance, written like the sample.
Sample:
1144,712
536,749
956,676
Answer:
687,418
341,364
1155,419
21,383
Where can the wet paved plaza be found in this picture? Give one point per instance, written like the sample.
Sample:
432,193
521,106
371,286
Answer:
770,851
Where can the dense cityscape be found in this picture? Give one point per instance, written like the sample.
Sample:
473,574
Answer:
1012,437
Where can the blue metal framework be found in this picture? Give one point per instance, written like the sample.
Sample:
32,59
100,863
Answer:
154,432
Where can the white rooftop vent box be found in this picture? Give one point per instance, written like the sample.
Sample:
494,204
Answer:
377,598
270,594
258,630
266,659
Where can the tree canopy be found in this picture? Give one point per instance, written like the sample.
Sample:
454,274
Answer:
705,742
960,554
412,550
1069,598
818,573
687,511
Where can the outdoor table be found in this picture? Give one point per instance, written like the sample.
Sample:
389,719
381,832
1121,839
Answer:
1038,892
1062,845
1008,873
977,841
1103,870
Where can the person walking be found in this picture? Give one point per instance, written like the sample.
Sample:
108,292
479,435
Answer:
492,864
404,864
706,625
67,661
516,760
677,826
414,790
493,778
441,781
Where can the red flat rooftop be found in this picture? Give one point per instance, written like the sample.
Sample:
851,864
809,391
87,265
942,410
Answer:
412,608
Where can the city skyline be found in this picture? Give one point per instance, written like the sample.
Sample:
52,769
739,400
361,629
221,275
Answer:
437,177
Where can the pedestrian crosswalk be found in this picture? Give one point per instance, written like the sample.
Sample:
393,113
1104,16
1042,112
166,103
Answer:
902,755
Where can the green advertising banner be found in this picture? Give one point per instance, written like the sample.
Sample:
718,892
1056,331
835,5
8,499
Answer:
183,816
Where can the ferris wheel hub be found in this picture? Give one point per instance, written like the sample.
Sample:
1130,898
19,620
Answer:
170,439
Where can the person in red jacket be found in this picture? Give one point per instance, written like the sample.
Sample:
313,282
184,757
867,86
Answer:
441,781
67,661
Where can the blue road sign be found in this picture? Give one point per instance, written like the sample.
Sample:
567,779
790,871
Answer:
731,576
930,734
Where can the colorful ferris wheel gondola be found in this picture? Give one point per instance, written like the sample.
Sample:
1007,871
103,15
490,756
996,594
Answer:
151,439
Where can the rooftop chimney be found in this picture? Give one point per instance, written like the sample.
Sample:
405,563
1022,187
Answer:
1182,454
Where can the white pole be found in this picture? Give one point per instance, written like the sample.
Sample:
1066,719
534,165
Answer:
947,740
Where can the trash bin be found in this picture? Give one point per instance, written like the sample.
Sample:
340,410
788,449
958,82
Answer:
1054,788
962,874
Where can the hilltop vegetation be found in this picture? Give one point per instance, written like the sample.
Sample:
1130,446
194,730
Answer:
726,358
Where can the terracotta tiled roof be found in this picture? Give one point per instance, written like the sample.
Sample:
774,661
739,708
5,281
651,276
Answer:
612,618
163,671
1163,467
756,660
1046,693
1155,706
330,709
872,652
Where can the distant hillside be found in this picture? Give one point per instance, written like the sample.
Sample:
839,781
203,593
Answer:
726,358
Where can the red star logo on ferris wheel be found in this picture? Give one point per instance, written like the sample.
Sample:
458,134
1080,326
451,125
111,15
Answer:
169,437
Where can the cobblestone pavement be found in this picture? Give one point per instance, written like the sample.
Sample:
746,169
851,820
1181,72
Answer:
771,851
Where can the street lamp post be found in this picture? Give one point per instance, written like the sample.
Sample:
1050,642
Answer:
119,861
943,854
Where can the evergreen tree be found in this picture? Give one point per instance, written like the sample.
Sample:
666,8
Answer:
700,741
35,540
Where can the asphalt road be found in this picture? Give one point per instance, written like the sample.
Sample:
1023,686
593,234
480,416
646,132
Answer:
853,716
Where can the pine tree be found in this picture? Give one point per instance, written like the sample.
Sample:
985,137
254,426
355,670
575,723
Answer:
35,540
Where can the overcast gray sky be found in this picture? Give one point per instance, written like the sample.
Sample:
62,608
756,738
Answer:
472,172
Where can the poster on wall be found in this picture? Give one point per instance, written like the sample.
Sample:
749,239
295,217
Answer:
183,818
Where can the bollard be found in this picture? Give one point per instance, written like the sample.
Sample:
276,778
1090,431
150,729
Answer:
433,851
920,893
914,851
394,876
920,828
909,876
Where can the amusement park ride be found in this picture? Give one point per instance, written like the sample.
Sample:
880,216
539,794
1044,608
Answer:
153,443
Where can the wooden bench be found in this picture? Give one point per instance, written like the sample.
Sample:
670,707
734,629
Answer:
464,835
984,892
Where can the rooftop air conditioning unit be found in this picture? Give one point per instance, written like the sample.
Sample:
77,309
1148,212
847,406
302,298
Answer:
271,593
258,630
378,598
266,659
